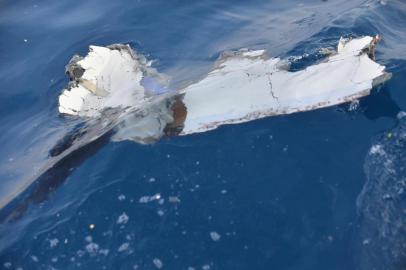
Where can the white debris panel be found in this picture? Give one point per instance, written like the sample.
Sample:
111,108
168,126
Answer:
243,85
249,85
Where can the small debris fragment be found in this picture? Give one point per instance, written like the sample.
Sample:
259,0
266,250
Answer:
121,197
92,226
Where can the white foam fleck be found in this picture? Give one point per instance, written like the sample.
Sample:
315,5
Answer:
92,249
89,239
53,242
158,263
215,236
377,149
147,199
173,199
105,251
123,218
123,247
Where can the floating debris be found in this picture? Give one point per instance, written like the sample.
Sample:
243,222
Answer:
243,86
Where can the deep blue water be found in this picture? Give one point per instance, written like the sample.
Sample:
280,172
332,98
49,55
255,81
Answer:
279,192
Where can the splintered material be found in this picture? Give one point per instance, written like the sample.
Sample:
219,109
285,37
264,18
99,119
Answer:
242,86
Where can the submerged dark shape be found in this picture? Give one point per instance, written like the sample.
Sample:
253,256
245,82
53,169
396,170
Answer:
381,235
67,154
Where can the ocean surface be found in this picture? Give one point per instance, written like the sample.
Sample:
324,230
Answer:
317,190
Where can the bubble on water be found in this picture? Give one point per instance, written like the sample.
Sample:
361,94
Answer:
152,179
53,242
123,247
7,265
158,263
160,213
123,218
121,197
215,236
